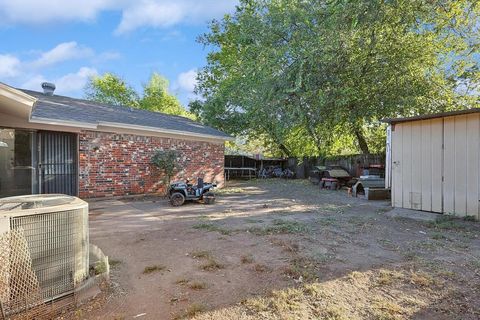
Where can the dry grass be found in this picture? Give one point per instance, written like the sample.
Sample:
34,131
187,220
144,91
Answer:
287,246
182,281
246,259
194,309
279,226
301,268
384,309
152,269
422,279
114,262
203,254
377,294
196,285
229,190
211,265
260,268
211,227
191,311
388,277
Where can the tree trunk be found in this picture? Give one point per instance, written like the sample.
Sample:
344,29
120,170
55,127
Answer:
284,150
362,142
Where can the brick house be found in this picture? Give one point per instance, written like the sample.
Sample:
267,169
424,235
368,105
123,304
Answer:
56,144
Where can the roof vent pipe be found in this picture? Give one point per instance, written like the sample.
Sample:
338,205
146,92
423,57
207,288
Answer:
48,88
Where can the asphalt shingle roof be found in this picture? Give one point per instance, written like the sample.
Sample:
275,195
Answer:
70,109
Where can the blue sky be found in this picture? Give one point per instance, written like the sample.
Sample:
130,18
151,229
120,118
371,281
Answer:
66,42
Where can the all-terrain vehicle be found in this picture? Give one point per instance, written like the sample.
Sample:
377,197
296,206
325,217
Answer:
179,192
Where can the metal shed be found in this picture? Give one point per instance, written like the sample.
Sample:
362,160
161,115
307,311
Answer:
433,162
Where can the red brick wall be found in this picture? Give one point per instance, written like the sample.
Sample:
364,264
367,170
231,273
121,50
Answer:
119,164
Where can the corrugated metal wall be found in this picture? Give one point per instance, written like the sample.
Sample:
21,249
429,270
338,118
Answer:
435,165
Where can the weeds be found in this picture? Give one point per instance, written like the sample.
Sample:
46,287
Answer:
211,265
446,222
114,263
421,279
197,285
182,281
327,221
152,269
387,277
203,254
260,268
210,227
386,310
286,246
246,259
301,268
411,256
100,267
194,309
475,263
279,227
438,236
226,191
323,257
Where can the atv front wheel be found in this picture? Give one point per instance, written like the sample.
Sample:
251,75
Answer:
177,199
209,198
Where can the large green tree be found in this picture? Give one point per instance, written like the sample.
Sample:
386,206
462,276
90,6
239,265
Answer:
307,74
111,89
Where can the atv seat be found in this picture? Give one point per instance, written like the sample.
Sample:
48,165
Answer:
200,183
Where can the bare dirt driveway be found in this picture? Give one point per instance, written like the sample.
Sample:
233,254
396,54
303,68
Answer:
281,249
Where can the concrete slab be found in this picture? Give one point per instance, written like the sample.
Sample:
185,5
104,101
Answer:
412,214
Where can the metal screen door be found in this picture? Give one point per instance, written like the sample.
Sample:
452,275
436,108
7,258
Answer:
57,162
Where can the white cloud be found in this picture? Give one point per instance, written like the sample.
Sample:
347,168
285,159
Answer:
74,81
69,83
63,52
184,86
187,81
135,13
34,12
9,66
150,13
34,82
30,74
164,13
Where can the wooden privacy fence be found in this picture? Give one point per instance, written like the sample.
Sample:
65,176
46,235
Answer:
352,163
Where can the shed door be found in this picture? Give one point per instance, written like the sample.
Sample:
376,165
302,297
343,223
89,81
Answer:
461,159
57,165
417,165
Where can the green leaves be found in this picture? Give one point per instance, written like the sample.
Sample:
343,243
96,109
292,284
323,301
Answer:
111,89
310,76
166,161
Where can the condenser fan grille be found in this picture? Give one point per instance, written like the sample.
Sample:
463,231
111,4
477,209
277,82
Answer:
57,243
55,228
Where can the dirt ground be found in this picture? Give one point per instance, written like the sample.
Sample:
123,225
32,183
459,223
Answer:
276,249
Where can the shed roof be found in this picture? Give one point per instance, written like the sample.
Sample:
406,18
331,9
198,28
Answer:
432,116
61,108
